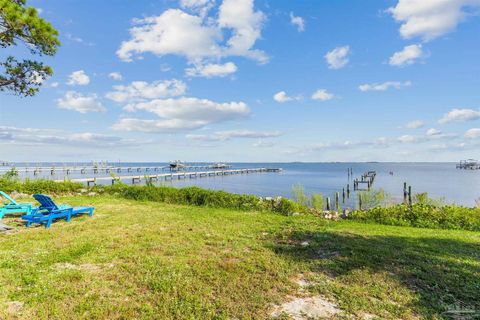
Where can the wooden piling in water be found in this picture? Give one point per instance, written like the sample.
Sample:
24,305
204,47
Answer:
337,200
328,203
410,195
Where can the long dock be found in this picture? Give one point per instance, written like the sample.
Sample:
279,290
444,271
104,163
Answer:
171,176
95,170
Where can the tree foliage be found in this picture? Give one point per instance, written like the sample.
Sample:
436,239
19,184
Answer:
19,23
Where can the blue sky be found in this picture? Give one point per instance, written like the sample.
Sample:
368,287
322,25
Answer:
244,80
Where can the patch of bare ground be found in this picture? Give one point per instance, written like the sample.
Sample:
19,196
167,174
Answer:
304,307
90,267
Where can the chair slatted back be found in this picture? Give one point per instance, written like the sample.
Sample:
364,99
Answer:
46,203
6,196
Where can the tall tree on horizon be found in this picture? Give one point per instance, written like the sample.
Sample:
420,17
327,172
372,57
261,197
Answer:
19,23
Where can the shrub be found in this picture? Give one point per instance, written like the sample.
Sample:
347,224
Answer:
422,215
374,198
318,202
299,195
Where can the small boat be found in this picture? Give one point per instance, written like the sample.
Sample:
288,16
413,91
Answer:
177,165
220,165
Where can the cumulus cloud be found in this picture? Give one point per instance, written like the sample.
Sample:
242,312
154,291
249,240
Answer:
212,70
472,133
430,19
181,114
231,134
54,84
460,115
322,95
407,56
282,97
59,137
197,37
384,86
78,78
298,22
115,76
415,124
338,57
79,102
141,90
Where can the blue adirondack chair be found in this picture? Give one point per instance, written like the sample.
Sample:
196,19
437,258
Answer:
48,211
13,207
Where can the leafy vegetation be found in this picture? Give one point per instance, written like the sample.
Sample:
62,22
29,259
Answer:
21,23
299,195
422,215
373,198
151,260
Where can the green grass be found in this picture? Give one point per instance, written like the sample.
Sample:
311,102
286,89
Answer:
150,260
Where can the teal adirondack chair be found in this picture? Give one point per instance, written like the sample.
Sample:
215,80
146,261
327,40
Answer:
11,206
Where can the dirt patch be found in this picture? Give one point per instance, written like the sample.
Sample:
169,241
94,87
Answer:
14,307
307,308
83,267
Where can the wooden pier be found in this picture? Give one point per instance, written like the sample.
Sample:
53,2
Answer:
469,164
171,176
365,182
108,169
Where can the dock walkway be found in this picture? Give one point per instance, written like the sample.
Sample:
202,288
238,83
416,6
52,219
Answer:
171,176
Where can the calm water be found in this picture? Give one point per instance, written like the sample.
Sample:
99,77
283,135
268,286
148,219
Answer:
438,179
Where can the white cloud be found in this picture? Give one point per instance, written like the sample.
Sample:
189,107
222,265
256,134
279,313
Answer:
473,133
430,19
29,136
415,124
298,22
263,144
407,56
115,76
432,132
173,32
246,26
282,97
338,57
78,78
54,84
140,90
181,114
82,103
198,37
231,134
408,138
322,95
460,115
384,86
212,70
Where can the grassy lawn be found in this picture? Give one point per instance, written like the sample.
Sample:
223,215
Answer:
156,261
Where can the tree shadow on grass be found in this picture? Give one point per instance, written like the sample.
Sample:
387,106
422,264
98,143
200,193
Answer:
443,273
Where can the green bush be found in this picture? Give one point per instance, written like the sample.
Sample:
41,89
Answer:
199,197
318,202
28,186
299,195
423,216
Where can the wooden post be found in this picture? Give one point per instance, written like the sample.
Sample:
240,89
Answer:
343,195
405,193
348,191
337,200
410,195
360,201
328,203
